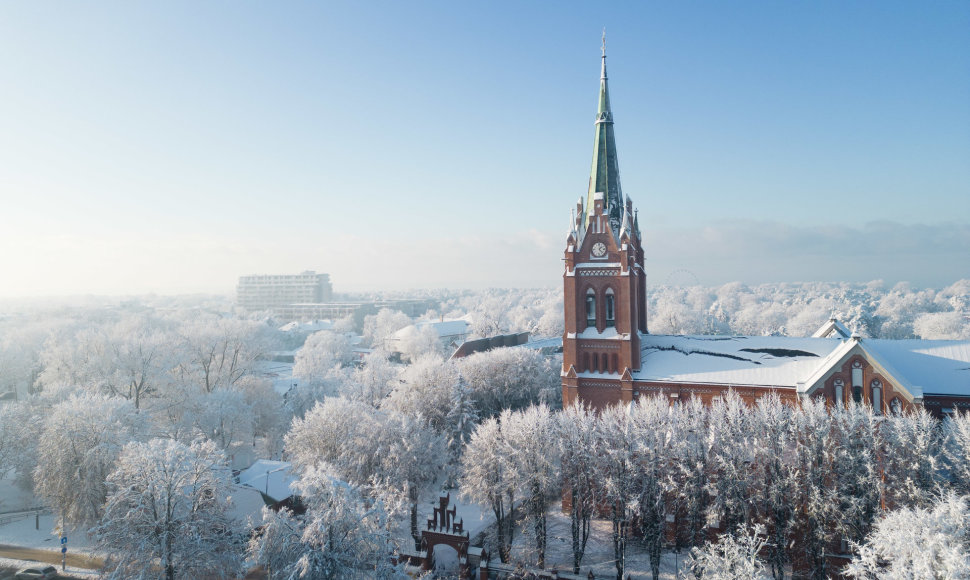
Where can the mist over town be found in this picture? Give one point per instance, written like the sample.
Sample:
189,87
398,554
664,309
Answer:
333,290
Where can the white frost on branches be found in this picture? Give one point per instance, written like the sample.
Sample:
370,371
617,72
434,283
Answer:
168,509
909,543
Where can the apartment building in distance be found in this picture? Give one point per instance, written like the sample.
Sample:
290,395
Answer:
271,291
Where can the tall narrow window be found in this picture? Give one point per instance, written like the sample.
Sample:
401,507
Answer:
610,308
839,386
877,397
590,308
857,382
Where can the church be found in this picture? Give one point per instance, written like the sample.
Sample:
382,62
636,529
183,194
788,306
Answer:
610,357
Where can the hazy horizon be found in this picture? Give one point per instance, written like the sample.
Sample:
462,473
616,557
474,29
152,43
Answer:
169,149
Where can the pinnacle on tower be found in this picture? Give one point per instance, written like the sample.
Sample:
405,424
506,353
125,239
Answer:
605,173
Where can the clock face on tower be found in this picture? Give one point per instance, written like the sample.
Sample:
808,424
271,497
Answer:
599,249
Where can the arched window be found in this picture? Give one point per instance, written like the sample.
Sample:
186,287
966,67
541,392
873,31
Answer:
590,308
839,393
876,397
610,308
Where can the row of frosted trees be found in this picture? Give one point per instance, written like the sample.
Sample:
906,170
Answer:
814,478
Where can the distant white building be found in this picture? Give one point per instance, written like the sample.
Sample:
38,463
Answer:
270,291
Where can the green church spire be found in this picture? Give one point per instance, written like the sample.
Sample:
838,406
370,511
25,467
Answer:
605,174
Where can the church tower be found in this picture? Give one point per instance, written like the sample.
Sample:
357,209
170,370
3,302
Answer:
604,283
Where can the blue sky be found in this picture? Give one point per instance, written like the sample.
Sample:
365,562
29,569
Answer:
171,147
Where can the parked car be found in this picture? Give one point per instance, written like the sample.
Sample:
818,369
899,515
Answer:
37,573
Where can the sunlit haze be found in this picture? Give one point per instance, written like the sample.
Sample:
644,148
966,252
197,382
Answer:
171,147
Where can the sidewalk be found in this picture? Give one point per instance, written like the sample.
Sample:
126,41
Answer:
51,557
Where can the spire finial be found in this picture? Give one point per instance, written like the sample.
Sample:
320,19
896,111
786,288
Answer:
603,68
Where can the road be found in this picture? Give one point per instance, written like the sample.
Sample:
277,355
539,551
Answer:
51,557
74,561
7,573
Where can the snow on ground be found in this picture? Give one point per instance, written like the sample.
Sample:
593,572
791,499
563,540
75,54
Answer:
599,551
13,498
281,373
31,532
41,532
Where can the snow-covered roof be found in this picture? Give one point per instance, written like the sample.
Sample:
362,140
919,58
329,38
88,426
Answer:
940,367
312,326
832,329
247,505
554,342
931,367
442,327
735,360
272,478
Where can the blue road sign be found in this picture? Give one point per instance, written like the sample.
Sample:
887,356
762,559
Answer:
64,550
63,539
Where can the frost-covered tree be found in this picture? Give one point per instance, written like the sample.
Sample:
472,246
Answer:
423,390
302,396
267,407
216,352
956,451
461,420
813,456
510,378
373,381
141,359
653,431
13,431
488,479
341,536
344,434
224,417
615,448
322,352
379,327
731,557
912,457
773,438
414,342
489,313
77,449
552,321
577,452
168,509
952,325
918,542
733,474
691,468
21,345
856,488
411,457
531,437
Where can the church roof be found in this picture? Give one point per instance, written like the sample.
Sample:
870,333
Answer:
923,367
940,367
604,176
733,360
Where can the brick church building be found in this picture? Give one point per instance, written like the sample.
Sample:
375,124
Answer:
610,357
